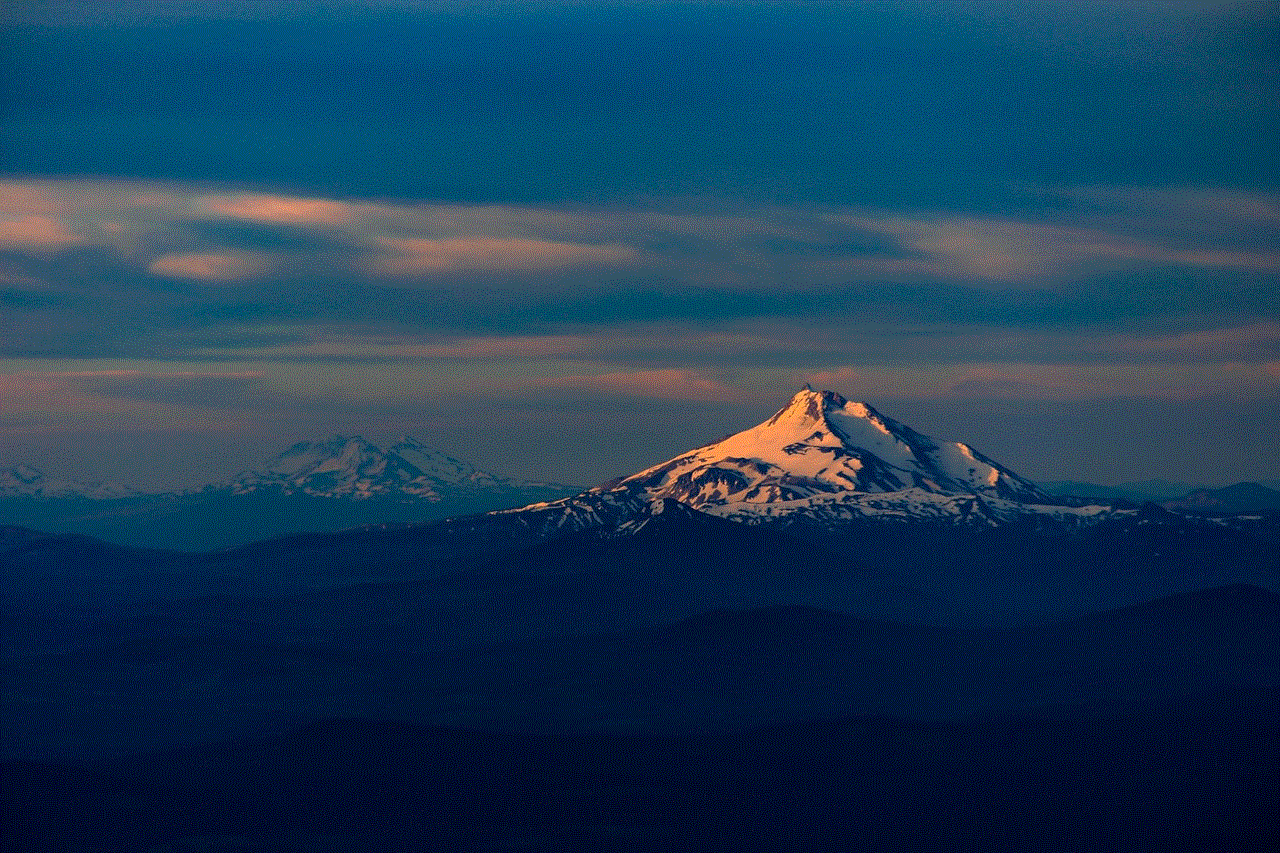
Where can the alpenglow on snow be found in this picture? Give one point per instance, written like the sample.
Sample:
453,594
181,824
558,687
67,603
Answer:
820,443
825,461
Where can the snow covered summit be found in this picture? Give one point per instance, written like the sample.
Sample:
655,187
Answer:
351,467
25,481
821,444
822,462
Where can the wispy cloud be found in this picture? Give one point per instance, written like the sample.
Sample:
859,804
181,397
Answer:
1234,342
212,266
636,344
1009,251
35,232
419,256
49,400
329,343
168,229
1196,205
1050,381
178,375
281,210
668,384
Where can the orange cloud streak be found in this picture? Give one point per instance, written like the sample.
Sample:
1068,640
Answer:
506,254
284,210
35,232
211,266
668,384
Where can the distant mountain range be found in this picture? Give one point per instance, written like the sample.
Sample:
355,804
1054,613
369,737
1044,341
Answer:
821,461
340,482
26,481
1238,498
339,467
1155,491
355,469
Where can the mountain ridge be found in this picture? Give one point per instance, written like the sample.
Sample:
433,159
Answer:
313,486
820,463
23,480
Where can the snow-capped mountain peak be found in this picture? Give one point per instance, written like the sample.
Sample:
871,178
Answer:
440,466
352,467
821,444
25,474
339,453
26,481
820,462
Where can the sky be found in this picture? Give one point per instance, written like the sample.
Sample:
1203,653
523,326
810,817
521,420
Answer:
567,240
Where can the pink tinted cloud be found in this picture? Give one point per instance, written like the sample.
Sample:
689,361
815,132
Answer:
176,374
35,231
1056,381
1183,202
37,402
416,256
211,266
668,384
512,347
1233,342
25,197
327,344
47,394
1083,381
842,380
283,210
1147,229
1007,251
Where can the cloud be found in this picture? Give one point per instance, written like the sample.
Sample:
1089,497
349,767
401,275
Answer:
1010,251
667,384
28,198
834,380
169,374
48,401
418,256
637,345
210,389
1234,342
1049,381
282,210
1199,205
35,232
184,230
211,266
304,343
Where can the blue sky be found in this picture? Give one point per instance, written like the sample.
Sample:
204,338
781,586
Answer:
571,239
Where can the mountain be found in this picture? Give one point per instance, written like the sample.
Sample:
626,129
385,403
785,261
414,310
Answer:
822,444
1181,497
313,486
353,468
1237,498
26,481
1139,492
823,460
